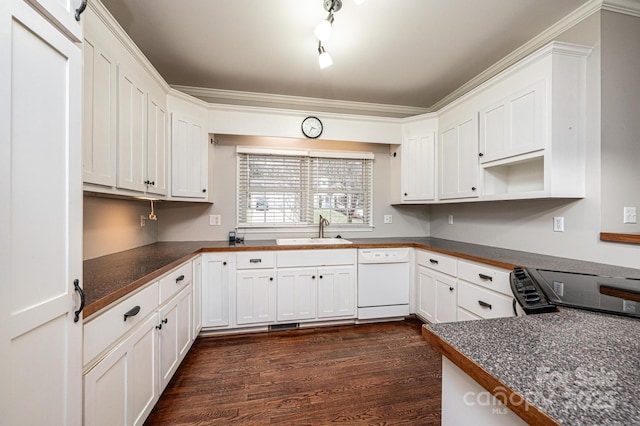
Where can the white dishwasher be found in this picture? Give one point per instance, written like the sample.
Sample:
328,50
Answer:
383,282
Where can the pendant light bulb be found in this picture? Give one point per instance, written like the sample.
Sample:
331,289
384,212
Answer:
324,59
323,29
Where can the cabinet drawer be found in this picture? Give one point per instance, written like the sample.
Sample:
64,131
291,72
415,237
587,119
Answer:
175,281
491,278
439,262
482,302
464,315
110,326
302,258
255,260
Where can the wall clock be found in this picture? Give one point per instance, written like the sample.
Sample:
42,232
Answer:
312,127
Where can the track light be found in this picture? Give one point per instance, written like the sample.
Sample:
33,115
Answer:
324,59
323,31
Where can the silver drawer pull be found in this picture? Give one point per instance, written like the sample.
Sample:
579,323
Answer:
486,277
132,312
255,260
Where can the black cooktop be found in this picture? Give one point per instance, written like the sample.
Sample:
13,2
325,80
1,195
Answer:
540,290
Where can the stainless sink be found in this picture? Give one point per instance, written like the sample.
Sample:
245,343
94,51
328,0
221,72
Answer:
310,241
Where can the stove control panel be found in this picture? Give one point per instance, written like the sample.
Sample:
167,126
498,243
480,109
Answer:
528,293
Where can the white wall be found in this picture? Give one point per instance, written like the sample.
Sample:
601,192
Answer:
620,120
182,222
527,225
112,225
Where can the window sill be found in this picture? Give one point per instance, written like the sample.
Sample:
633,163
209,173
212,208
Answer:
303,230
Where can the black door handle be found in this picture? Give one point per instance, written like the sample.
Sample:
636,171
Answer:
435,262
132,312
180,278
81,9
484,304
486,277
80,291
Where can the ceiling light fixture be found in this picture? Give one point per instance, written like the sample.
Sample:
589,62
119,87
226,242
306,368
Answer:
323,31
324,59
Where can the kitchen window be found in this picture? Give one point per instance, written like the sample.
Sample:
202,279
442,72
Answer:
278,188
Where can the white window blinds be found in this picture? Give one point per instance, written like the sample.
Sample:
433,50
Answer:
293,189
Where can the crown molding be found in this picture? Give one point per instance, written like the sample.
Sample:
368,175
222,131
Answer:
627,7
110,22
299,102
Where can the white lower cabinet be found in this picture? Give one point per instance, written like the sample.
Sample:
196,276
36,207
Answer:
175,334
122,388
337,291
132,349
483,291
197,297
436,296
255,296
217,273
297,289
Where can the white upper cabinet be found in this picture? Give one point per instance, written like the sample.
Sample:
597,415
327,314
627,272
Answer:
458,153
156,177
66,15
189,148
41,260
132,131
413,165
514,125
99,125
525,127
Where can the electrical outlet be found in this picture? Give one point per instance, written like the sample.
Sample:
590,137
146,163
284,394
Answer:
215,220
558,224
629,215
143,220
450,219
388,218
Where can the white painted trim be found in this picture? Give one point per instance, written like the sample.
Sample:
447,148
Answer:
112,25
578,15
627,7
309,103
298,113
187,98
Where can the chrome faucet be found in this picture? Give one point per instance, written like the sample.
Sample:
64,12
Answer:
323,222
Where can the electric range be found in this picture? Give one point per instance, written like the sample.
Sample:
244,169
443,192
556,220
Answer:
540,290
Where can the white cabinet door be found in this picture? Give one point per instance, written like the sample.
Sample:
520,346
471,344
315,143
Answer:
122,388
189,175
297,288
99,125
255,296
40,173
337,291
446,300
418,168
216,276
175,334
156,175
459,159
62,13
132,137
426,306
514,125
197,297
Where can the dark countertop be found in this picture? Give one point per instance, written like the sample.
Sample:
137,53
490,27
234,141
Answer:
108,278
577,367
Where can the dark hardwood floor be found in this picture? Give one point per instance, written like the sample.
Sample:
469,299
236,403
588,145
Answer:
374,374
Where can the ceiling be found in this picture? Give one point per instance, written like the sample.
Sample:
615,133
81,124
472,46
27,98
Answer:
408,53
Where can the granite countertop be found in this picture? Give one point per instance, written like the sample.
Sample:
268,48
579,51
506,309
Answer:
108,278
577,367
